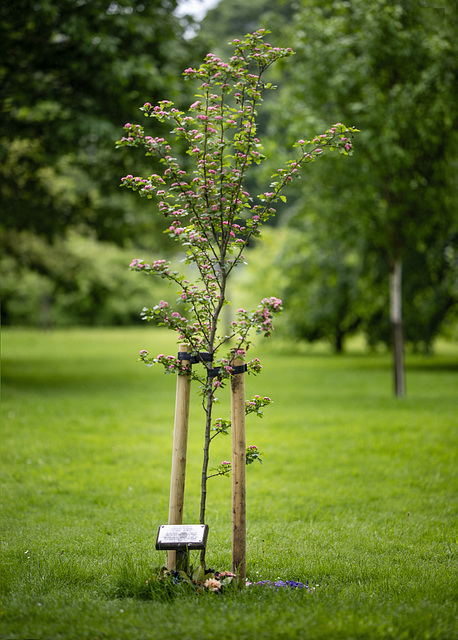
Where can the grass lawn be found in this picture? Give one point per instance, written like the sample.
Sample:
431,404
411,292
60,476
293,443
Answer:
357,494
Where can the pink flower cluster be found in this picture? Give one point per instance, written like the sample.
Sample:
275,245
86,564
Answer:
158,267
254,366
261,318
256,404
171,364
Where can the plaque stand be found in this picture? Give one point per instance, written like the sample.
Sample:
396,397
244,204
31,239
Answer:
178,539
181,539
184,537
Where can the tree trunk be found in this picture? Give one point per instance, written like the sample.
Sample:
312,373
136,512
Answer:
339,341
397,328
204,478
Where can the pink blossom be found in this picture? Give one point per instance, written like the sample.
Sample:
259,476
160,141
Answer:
212,584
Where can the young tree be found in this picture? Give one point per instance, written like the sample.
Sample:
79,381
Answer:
213,216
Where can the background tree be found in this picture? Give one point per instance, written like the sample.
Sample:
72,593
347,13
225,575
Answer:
232,18
72,73
390,69
323,277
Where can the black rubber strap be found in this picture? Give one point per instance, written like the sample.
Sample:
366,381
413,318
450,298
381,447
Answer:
242,368
207,357
184,355
201,357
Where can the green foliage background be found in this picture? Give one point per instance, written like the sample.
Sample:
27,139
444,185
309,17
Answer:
74,74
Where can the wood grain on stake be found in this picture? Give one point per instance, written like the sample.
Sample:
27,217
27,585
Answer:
238,472
180,442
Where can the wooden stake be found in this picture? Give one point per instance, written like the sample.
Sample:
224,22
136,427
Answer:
180,442
238,473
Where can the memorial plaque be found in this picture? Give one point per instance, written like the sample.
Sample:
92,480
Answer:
182,536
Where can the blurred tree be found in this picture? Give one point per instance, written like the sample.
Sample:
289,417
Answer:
323,280
72,72
72,280
234,18
388,67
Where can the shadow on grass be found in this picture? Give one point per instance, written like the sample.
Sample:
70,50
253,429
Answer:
47,377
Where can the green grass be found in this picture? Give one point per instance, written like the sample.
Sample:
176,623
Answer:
357,494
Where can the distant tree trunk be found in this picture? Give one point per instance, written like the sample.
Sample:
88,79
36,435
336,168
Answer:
397,328
339,341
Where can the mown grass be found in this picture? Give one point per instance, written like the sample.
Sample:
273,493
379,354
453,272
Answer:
357,494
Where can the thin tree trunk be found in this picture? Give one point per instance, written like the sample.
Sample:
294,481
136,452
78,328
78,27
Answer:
339,341
397,328
209,397
203,491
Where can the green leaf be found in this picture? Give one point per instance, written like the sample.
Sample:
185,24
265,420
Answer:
199,573
184,576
